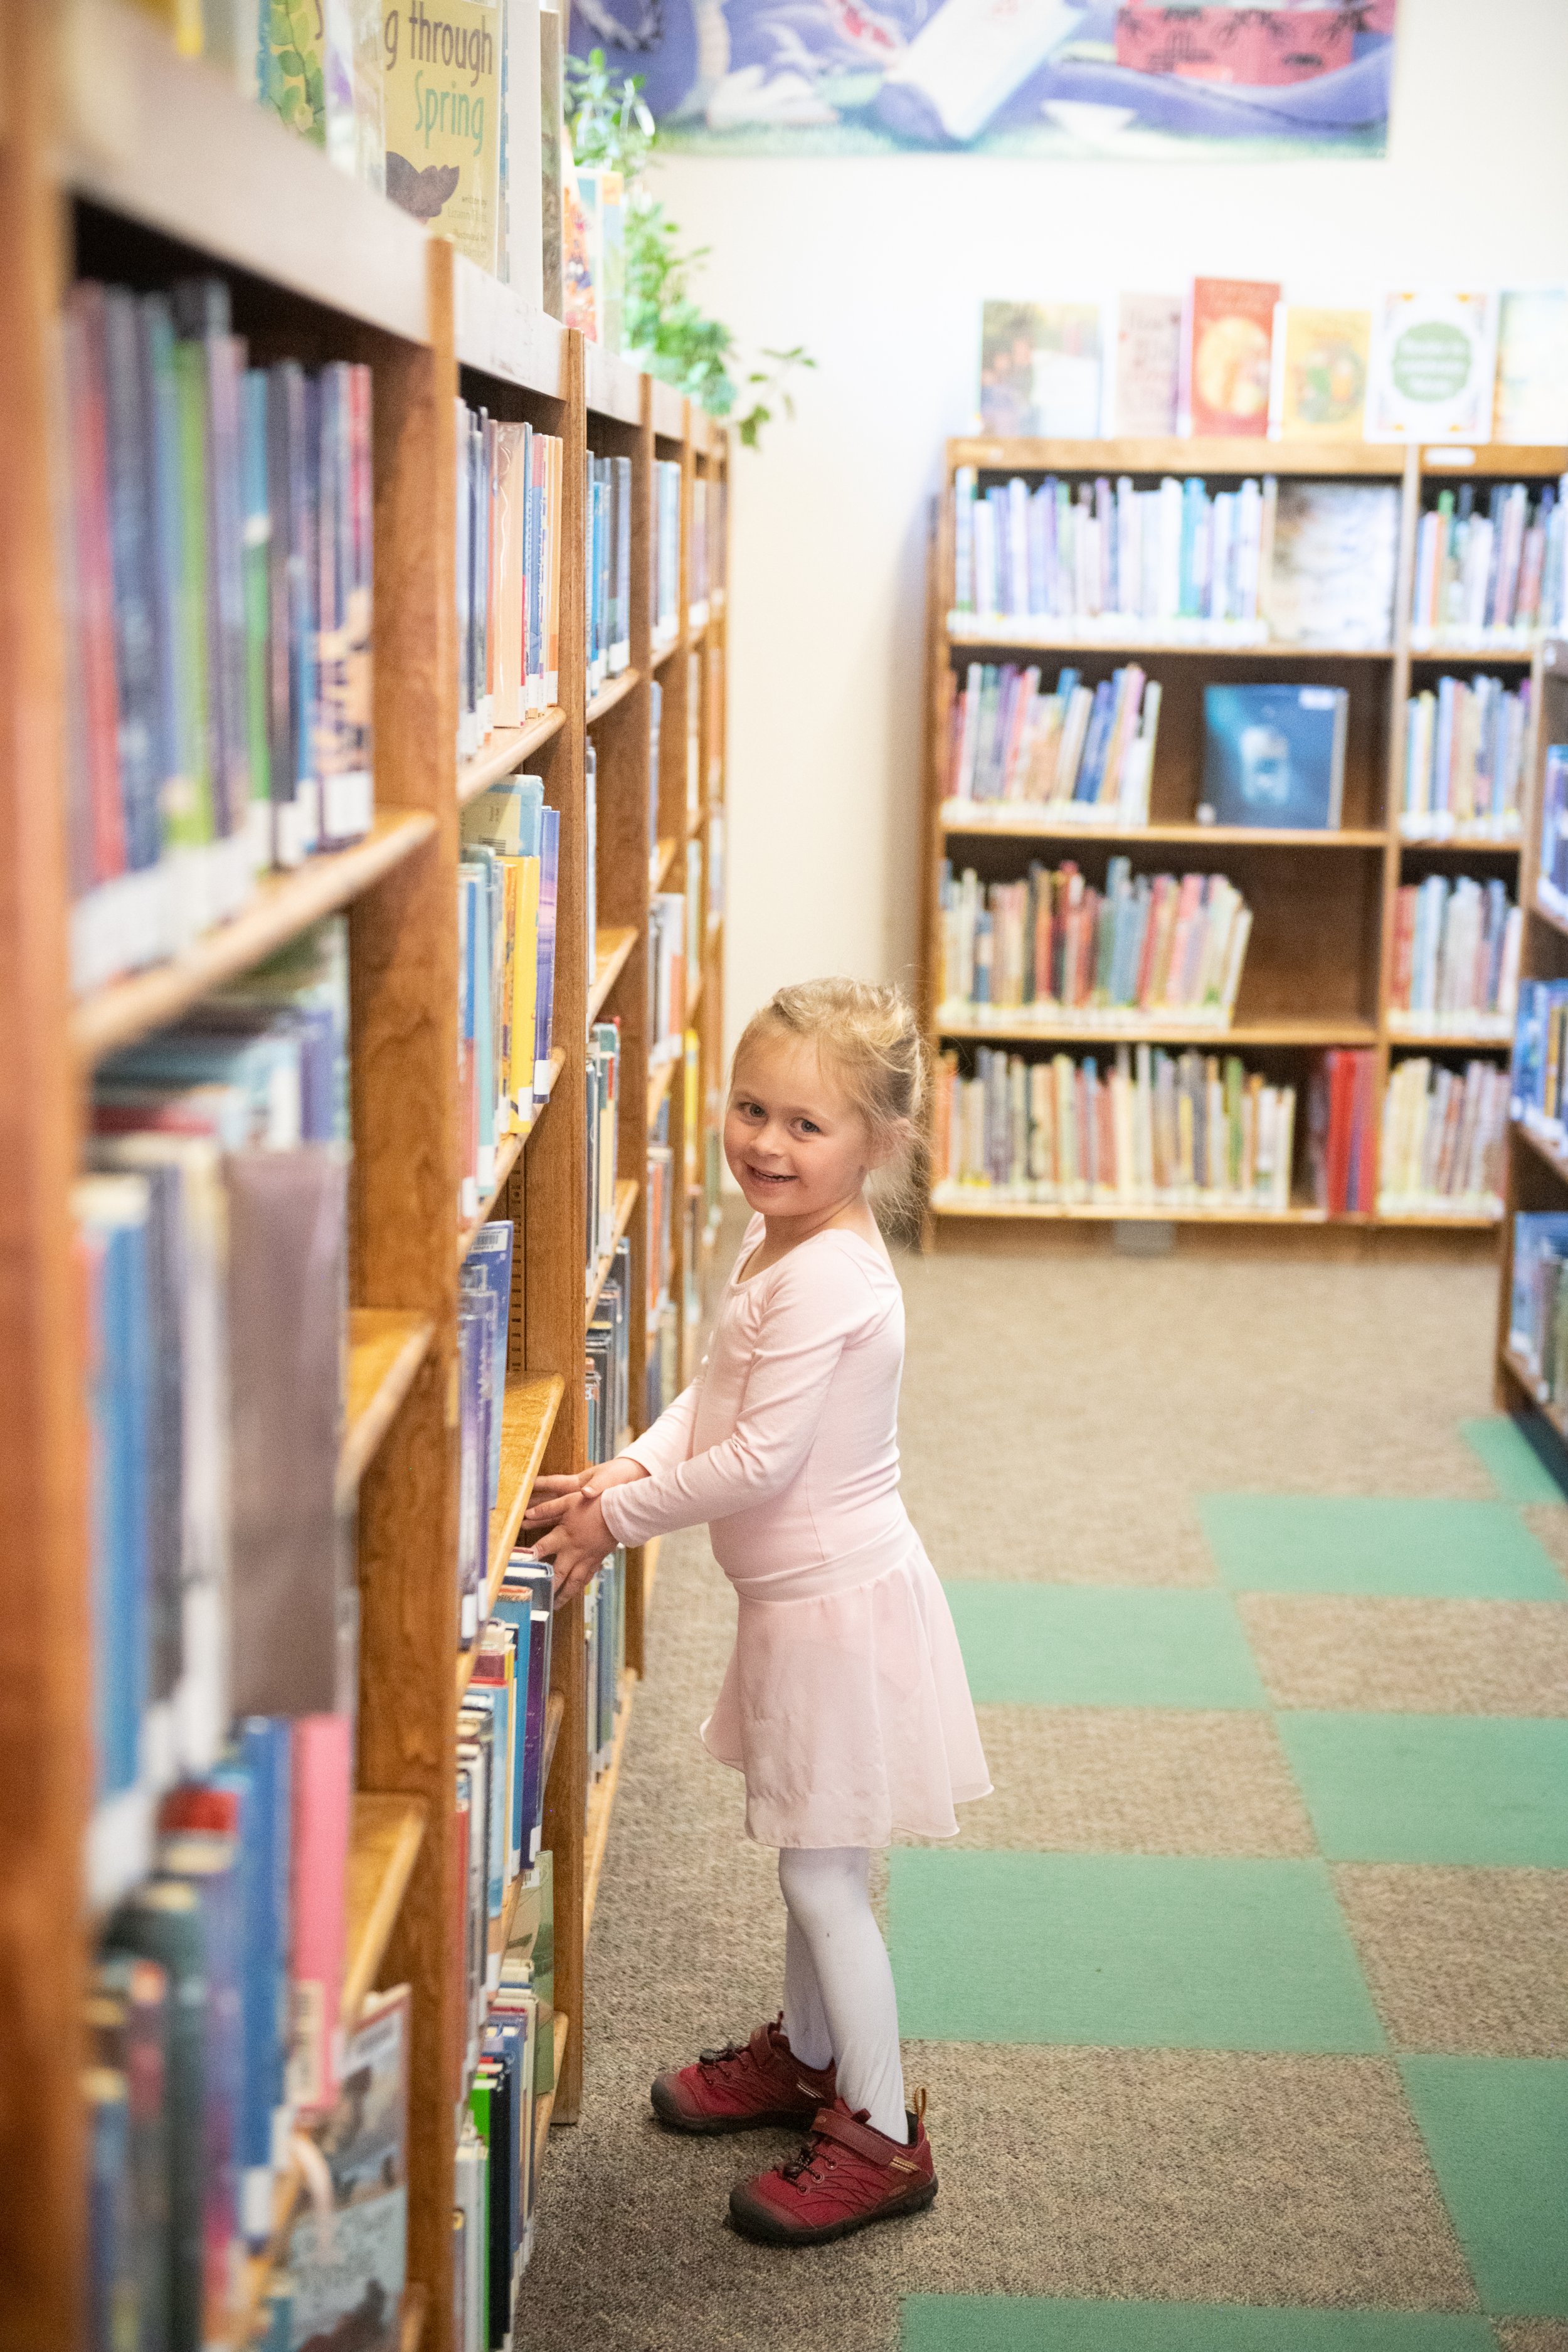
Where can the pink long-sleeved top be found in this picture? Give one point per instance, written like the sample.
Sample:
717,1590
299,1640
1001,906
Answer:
845,1702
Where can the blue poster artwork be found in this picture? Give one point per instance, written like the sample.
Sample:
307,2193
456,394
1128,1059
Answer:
1047,77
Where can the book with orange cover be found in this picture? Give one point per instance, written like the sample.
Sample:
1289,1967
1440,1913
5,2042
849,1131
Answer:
1227,356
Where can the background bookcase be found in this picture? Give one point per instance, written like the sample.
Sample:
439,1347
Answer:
121,160
1319,965
1537,1174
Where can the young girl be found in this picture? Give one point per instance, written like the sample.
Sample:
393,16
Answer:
845,1703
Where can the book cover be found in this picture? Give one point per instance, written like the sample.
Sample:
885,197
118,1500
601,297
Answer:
209,1861
1530,400
321,1777
442,97
349,2269
162,1922
1146,367
1335,558
1274,755
1321,363
1040,368
1227,353
1433,367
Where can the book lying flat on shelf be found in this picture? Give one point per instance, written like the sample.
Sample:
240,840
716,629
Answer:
1321,362
1227,356
1433,362
1274,755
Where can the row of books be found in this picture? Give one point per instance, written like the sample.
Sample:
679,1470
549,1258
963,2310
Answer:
710,496
1552,876
1298,563
1539,1075
607,1367
212,1235
498,2144
1497,574
604,1088
1538,1303
1151,1131
214,2028
507,895
1456,956
1444,1135
1231,358
484,1331
608,565
216,587
1465,751
509,572
1342,1132
1053,943
1082,751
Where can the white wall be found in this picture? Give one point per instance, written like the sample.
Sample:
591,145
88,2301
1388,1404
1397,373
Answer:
879,267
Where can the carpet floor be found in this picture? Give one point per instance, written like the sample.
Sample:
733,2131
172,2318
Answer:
1243,2004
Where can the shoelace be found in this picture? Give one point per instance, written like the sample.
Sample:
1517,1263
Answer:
804,2163
725,2057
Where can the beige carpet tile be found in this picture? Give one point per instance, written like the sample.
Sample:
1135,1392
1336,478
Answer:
1463,1960
1089,1779
1422,1657
1532,2334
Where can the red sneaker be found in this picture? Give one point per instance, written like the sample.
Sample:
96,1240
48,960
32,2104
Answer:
744,2086
845,2176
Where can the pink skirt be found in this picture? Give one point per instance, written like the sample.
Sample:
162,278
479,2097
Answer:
847,1707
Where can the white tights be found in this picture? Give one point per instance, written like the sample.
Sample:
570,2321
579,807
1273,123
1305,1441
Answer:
839,1981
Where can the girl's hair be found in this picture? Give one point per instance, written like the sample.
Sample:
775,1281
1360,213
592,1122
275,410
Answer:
866,1032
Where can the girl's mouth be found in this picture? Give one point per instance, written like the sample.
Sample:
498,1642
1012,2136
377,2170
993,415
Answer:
766,1176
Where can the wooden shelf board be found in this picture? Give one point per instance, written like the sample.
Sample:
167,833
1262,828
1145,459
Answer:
545,2107
657,1087
1504,458
411,2319
613,388
661,654
1461,846
1453,1040
1459,651
1543,1151
170,142
1167,455
625,1201
660,865
284,906
1061,1029
612,949
695,826
693,999
614,690
1553,922
504,752
528,1416
498,333
1436,1221
384,1845
507,1158
666,410
387,1346
601,1799
554,1714
1111,1213
1044,827
996,630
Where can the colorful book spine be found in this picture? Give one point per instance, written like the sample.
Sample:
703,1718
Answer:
1465,747
1444,1132
508,578
1455,958
1491,566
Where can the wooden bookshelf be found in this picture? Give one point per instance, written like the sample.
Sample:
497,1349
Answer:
1319,964
140,166
1537,1164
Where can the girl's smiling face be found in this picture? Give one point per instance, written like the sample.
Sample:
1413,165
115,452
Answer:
796,1145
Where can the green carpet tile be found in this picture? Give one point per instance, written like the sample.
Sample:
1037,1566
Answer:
1488,1791
1136,1951
1515,1468
994,2323
1080,1645
1496,2130
1348,1543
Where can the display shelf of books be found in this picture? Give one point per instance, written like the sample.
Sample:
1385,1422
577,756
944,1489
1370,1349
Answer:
329,1021
1123,845
1532,1307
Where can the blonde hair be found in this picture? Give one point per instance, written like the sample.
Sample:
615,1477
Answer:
866,1032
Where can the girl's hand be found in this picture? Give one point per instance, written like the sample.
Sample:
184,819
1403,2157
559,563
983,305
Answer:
554,1497
576,1547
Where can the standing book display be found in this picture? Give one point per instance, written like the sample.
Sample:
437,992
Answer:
478,1329
1163,672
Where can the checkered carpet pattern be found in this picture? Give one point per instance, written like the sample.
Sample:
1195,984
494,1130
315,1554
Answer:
1243,2003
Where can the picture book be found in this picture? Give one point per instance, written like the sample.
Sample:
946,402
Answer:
349,2267
1145,366
1274,755
1227,356
442,83
1040,368
1530,400
1320,360
1433,362
1335,559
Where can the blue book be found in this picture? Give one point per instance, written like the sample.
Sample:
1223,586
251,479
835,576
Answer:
487,1273
1094,742
526,1602
472,1523
115,1215
1275,755
265,1757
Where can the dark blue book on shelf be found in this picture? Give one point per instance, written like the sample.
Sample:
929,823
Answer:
265,1754
1275,755
487,1273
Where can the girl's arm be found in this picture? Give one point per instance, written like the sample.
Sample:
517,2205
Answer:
822,1298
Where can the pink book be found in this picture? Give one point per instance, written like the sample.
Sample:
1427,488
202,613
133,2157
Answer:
322,1773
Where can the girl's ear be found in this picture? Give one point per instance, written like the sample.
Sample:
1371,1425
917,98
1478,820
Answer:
887,1142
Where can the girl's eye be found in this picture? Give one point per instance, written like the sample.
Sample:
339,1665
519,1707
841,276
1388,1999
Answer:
811,1127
